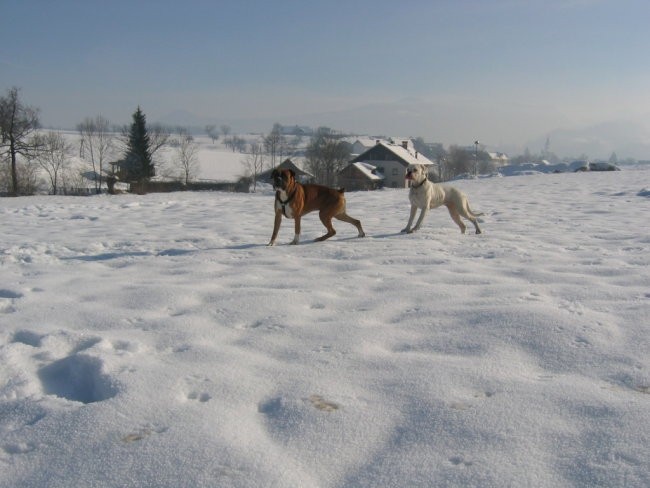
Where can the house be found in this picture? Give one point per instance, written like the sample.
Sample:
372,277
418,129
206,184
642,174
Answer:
360,145
301,176
498,159
119,169
296,130
391,161
360,176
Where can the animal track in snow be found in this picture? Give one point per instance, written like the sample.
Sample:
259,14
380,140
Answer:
8,294
200,397
196,391
580,342
459,461
28,338
78,378
85,344
7,299
19,448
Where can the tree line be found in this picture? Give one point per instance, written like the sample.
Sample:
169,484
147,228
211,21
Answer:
26,152
328,152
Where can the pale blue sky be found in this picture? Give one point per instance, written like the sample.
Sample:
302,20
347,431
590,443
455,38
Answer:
504,68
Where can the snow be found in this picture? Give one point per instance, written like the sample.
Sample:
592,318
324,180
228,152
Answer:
545,167
215,161
156,341
368,170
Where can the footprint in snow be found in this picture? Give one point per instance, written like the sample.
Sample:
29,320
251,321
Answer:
459,461
7,299
195,390
18,448
79,378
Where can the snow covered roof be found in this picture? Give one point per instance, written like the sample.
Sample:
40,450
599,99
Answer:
368,170
409,156
498,156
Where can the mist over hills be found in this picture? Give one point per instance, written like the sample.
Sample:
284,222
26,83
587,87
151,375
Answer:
626,138
510,129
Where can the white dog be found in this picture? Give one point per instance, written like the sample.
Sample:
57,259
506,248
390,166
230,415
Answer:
425,194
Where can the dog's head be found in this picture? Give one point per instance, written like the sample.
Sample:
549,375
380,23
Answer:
283,179
416,173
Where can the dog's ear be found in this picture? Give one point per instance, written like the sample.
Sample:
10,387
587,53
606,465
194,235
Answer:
274,173
291,172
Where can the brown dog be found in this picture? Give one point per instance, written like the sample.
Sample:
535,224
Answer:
294,200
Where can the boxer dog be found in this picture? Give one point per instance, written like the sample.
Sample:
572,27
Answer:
425,195
294,200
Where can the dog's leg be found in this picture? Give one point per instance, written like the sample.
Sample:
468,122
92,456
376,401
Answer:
346,218
471,216
473,220
423,213
414,210
296,237
276,227
326,219
455,216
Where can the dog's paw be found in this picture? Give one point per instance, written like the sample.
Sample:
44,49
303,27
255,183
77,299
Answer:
272,243
405,231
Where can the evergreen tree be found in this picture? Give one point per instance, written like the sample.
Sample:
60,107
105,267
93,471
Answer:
138,150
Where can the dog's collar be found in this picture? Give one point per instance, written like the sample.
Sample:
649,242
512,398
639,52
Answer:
423,182
286,202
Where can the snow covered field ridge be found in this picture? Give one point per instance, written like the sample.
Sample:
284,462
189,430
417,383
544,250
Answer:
156,341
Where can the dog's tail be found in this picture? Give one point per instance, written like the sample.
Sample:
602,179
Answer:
472,212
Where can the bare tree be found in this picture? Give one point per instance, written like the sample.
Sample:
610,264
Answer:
254,162
53,157
235,143
326,155
212,132
27,172
158,137
97,143
188,156
17,122
225,129
275,144
293,144
460,161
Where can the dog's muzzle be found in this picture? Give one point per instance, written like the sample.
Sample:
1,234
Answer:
278,182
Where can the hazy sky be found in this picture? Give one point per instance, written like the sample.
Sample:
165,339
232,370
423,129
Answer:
447,70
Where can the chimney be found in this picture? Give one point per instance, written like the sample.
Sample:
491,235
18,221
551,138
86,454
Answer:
405,144
378,141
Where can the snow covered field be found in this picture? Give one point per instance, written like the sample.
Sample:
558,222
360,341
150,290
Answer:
156,341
